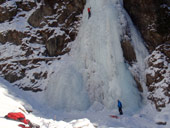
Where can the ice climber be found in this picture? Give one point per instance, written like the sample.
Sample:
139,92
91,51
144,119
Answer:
120,107
89,12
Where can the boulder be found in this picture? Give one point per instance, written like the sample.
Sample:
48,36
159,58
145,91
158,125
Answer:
55,46
7,14
37,19
51,46
12,36
12,77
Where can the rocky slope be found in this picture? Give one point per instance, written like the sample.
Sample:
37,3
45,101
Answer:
152,18
51,23
157,76
39,29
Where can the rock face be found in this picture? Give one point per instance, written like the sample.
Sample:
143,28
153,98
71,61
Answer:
52,23
63,14
157,76
128,51
152,18
39,29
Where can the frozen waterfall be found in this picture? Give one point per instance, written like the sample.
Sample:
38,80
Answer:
95,70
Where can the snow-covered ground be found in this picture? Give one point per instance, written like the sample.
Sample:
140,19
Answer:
15,102
82,88
12,99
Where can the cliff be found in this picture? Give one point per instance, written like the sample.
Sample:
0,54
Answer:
152,18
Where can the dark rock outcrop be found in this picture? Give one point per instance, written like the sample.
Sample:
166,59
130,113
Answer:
152,17
7,14
12,36
128,51
37,19
161,123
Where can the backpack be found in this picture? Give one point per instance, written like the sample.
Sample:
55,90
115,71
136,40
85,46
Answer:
18,116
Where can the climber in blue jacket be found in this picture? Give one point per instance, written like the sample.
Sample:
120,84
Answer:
120,107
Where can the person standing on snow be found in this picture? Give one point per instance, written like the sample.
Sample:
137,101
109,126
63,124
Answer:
89,12
120,107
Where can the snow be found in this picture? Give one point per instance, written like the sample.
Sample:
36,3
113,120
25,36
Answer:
82,88
11,103
8,4
9,49
12,99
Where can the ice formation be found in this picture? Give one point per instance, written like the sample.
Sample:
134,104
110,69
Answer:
95,70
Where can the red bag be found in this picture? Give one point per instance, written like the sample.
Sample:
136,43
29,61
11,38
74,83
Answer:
17,116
